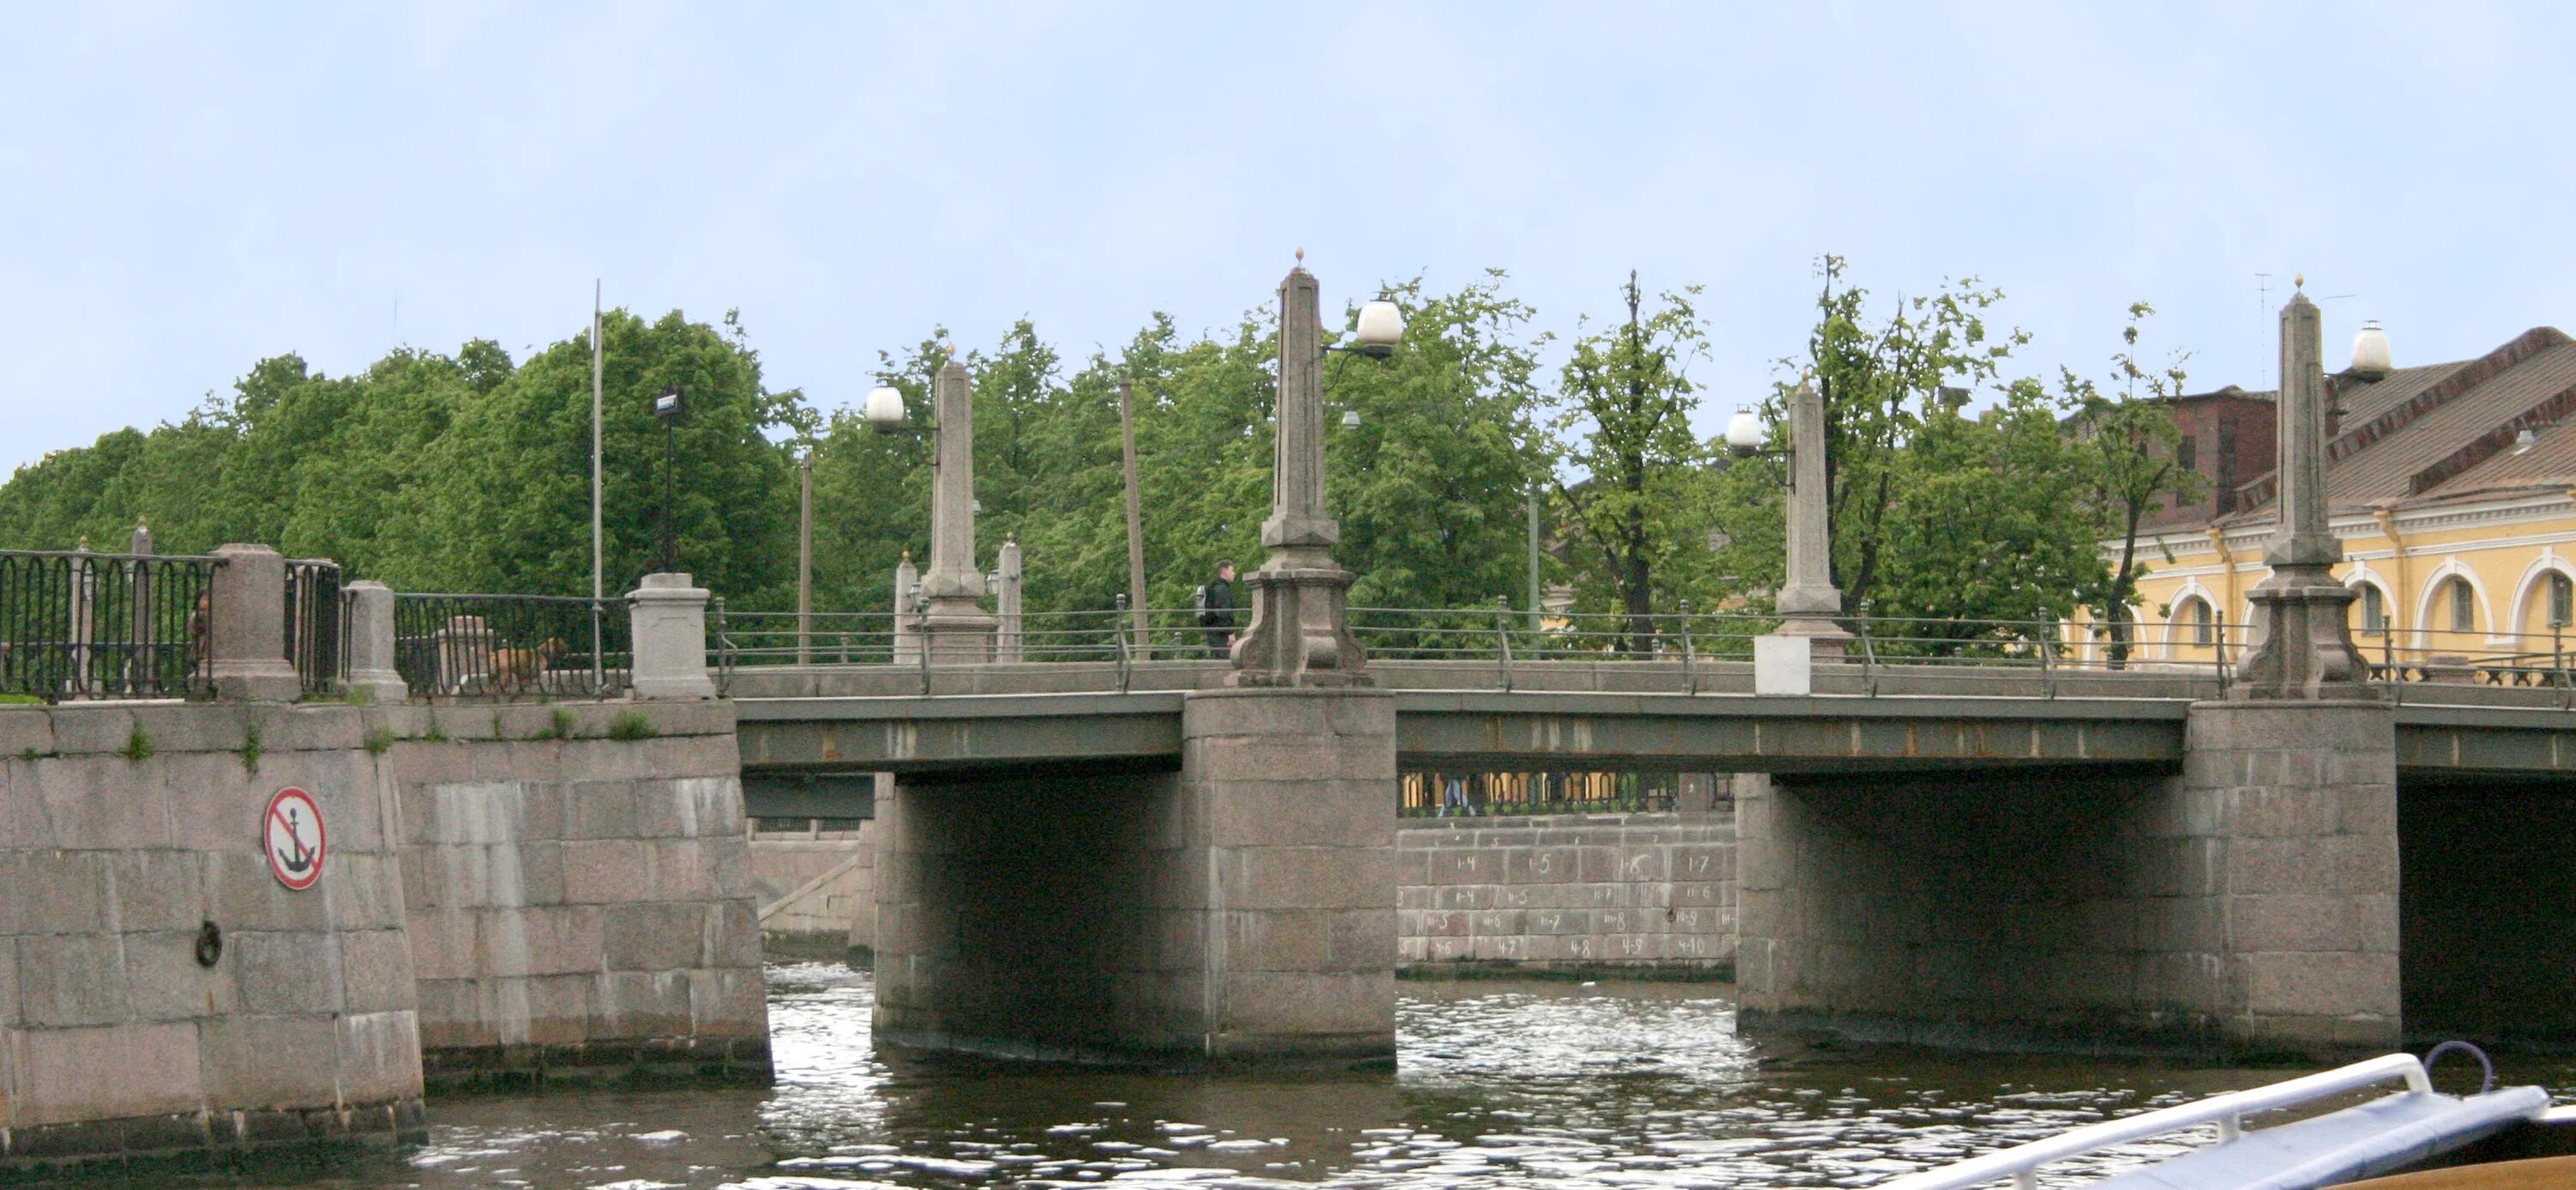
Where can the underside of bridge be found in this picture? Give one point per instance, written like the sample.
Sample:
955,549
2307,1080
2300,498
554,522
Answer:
1239,908
2246,903
2489,873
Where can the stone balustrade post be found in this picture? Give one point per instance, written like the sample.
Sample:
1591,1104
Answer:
1006,602
371,642
670,626
246,635
907,618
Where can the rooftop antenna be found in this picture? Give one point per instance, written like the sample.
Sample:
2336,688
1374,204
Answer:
2262,311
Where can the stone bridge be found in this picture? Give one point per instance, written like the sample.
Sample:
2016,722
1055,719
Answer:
1996,857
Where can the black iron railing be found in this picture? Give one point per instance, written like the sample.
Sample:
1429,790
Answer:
76,624
512,646
317,625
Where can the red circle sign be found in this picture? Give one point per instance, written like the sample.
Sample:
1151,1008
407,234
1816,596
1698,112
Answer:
291,834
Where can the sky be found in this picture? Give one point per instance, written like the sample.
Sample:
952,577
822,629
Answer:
186,189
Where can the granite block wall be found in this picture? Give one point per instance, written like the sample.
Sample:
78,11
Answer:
1642,894
123,832
817,892
581,909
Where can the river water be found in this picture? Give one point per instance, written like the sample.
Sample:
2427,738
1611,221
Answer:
1499,1084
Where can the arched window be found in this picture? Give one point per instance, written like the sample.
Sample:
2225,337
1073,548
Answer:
2562,600
2203,633
2374,611
2464,606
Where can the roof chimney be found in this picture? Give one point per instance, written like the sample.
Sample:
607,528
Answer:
2370,352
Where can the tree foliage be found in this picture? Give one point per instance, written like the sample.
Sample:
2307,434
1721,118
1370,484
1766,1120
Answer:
1624,403
469,471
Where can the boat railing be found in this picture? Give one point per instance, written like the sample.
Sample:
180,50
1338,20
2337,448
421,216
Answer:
2021,1162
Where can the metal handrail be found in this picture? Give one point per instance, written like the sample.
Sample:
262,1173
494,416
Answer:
2228,1111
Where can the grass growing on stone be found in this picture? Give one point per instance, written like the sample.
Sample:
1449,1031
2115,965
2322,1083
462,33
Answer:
138,746
379,740
251,750
632,725
561,726
20,700
435,734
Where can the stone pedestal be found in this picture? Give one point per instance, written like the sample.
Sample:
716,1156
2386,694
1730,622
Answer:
371,643
670,627
1300,633
247,638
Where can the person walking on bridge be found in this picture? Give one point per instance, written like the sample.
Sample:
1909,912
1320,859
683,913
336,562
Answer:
1215,607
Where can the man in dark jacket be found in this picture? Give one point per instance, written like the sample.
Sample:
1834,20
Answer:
1216,609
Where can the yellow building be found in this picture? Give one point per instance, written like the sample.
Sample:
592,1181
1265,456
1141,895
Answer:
2452,488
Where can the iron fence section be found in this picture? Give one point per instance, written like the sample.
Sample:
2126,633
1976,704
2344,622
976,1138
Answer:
512,646
76,624
317,625
1694,646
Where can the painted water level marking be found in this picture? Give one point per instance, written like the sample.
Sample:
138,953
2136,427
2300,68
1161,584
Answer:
295,838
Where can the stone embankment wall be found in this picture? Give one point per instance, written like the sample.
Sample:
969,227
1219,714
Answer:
1632,893
581,908
817,889
507,895
1645,894
124,831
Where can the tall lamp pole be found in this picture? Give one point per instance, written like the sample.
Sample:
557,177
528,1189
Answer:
1135,516
667,407
1533,561
805,558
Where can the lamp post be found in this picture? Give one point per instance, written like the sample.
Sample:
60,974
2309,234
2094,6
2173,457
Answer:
1808,600
1135,515
667,407
805,558
1300,633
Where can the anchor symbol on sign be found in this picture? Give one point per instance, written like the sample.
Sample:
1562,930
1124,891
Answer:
300,860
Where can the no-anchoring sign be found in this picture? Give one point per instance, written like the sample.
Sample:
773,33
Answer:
292,831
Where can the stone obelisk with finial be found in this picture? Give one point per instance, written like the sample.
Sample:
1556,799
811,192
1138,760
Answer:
1300,634
954,625
1809,601
2305,648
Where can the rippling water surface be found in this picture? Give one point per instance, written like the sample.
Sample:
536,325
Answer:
1499,1085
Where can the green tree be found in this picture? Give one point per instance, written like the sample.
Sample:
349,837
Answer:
1627,392
2131,452
515,493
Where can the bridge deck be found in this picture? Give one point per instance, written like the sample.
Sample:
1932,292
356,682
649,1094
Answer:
1559,714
